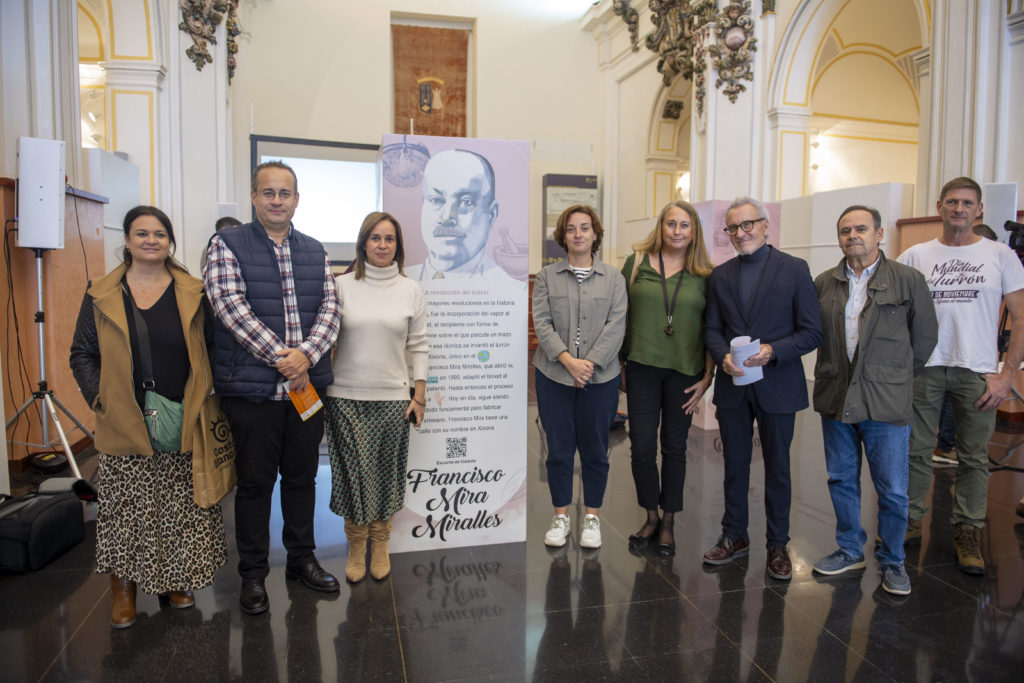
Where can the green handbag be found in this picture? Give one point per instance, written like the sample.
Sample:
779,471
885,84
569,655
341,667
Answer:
163,419
162,415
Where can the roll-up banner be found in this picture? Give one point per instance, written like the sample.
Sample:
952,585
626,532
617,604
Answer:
463,205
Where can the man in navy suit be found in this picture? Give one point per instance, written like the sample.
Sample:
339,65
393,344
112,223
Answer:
767,295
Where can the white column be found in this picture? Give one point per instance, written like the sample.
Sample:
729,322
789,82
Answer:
967,108
726,150
134,89
789,141
199,159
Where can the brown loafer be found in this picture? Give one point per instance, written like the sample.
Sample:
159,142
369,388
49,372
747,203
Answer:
181,599
779,566
726,550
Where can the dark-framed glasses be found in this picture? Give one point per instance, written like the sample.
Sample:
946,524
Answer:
269,194
745,226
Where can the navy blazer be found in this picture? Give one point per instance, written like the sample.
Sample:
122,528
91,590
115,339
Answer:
784,313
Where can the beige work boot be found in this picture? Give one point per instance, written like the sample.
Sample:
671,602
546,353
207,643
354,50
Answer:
967,542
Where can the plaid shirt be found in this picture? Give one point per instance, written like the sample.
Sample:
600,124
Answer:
225,288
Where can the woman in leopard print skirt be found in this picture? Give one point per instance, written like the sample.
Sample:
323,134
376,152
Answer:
150,533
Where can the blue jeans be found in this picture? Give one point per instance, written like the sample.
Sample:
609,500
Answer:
577,419
886,448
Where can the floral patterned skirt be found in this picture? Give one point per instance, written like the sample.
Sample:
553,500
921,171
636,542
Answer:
369,447
148,527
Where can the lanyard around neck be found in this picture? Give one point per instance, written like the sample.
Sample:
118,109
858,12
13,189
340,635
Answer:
669,308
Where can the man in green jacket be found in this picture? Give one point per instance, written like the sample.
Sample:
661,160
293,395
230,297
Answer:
879,325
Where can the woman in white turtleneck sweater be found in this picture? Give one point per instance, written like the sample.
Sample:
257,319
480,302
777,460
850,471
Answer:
383,332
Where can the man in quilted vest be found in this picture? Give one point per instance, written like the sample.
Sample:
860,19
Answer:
278,315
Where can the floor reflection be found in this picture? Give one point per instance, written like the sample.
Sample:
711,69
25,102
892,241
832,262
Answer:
521,611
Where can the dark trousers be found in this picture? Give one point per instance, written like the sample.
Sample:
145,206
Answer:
271,438
657,395
736,426
577,419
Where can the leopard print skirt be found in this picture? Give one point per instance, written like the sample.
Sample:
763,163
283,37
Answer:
149,528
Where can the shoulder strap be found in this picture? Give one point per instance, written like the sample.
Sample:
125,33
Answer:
638,256
145,358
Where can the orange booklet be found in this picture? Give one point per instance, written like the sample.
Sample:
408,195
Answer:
307,402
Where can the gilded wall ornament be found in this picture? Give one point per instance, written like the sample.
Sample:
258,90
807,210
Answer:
731,52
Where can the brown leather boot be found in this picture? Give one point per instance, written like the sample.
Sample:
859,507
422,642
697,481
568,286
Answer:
380,563
122,602
355,568
181,599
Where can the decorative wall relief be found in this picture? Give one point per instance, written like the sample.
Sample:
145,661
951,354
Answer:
731,52
232,29
631,17
673,110
200,19
682,36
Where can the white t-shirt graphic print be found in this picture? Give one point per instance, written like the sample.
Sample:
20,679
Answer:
967,284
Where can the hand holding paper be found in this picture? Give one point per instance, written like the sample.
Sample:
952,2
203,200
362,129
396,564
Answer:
740,349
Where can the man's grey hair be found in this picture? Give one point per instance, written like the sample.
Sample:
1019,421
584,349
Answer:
762,210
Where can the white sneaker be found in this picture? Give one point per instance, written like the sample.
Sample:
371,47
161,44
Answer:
559,531
591,536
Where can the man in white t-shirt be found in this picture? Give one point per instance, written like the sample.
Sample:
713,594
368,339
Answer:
968,276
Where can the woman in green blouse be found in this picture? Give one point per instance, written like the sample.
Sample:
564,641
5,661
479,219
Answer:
667,369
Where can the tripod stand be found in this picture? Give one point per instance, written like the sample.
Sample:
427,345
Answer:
50,402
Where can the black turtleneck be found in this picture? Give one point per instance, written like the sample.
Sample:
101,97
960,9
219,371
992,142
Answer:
751,269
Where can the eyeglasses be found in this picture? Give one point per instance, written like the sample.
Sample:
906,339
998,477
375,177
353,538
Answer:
269,194
745,226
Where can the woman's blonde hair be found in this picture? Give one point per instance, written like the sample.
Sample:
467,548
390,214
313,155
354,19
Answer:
697,261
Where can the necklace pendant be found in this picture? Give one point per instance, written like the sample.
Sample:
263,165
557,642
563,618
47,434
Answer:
669,330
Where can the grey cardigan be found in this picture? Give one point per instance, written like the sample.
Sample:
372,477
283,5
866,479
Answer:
598,304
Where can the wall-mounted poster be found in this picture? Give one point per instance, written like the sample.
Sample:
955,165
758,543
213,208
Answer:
560,192
463,205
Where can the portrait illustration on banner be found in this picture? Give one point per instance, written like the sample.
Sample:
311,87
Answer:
463,206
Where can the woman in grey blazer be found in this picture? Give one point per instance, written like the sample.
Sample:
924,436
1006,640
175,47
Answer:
579,315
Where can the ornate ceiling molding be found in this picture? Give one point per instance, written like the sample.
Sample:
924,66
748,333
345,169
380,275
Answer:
685,31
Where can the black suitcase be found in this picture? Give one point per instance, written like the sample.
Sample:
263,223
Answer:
36,528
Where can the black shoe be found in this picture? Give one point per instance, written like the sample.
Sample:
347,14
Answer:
254,596
638,542
314,576
666,549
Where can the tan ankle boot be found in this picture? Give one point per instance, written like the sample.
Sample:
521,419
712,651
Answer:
380,563
355,568
122,602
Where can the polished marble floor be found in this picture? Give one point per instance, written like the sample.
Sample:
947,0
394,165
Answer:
523,612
